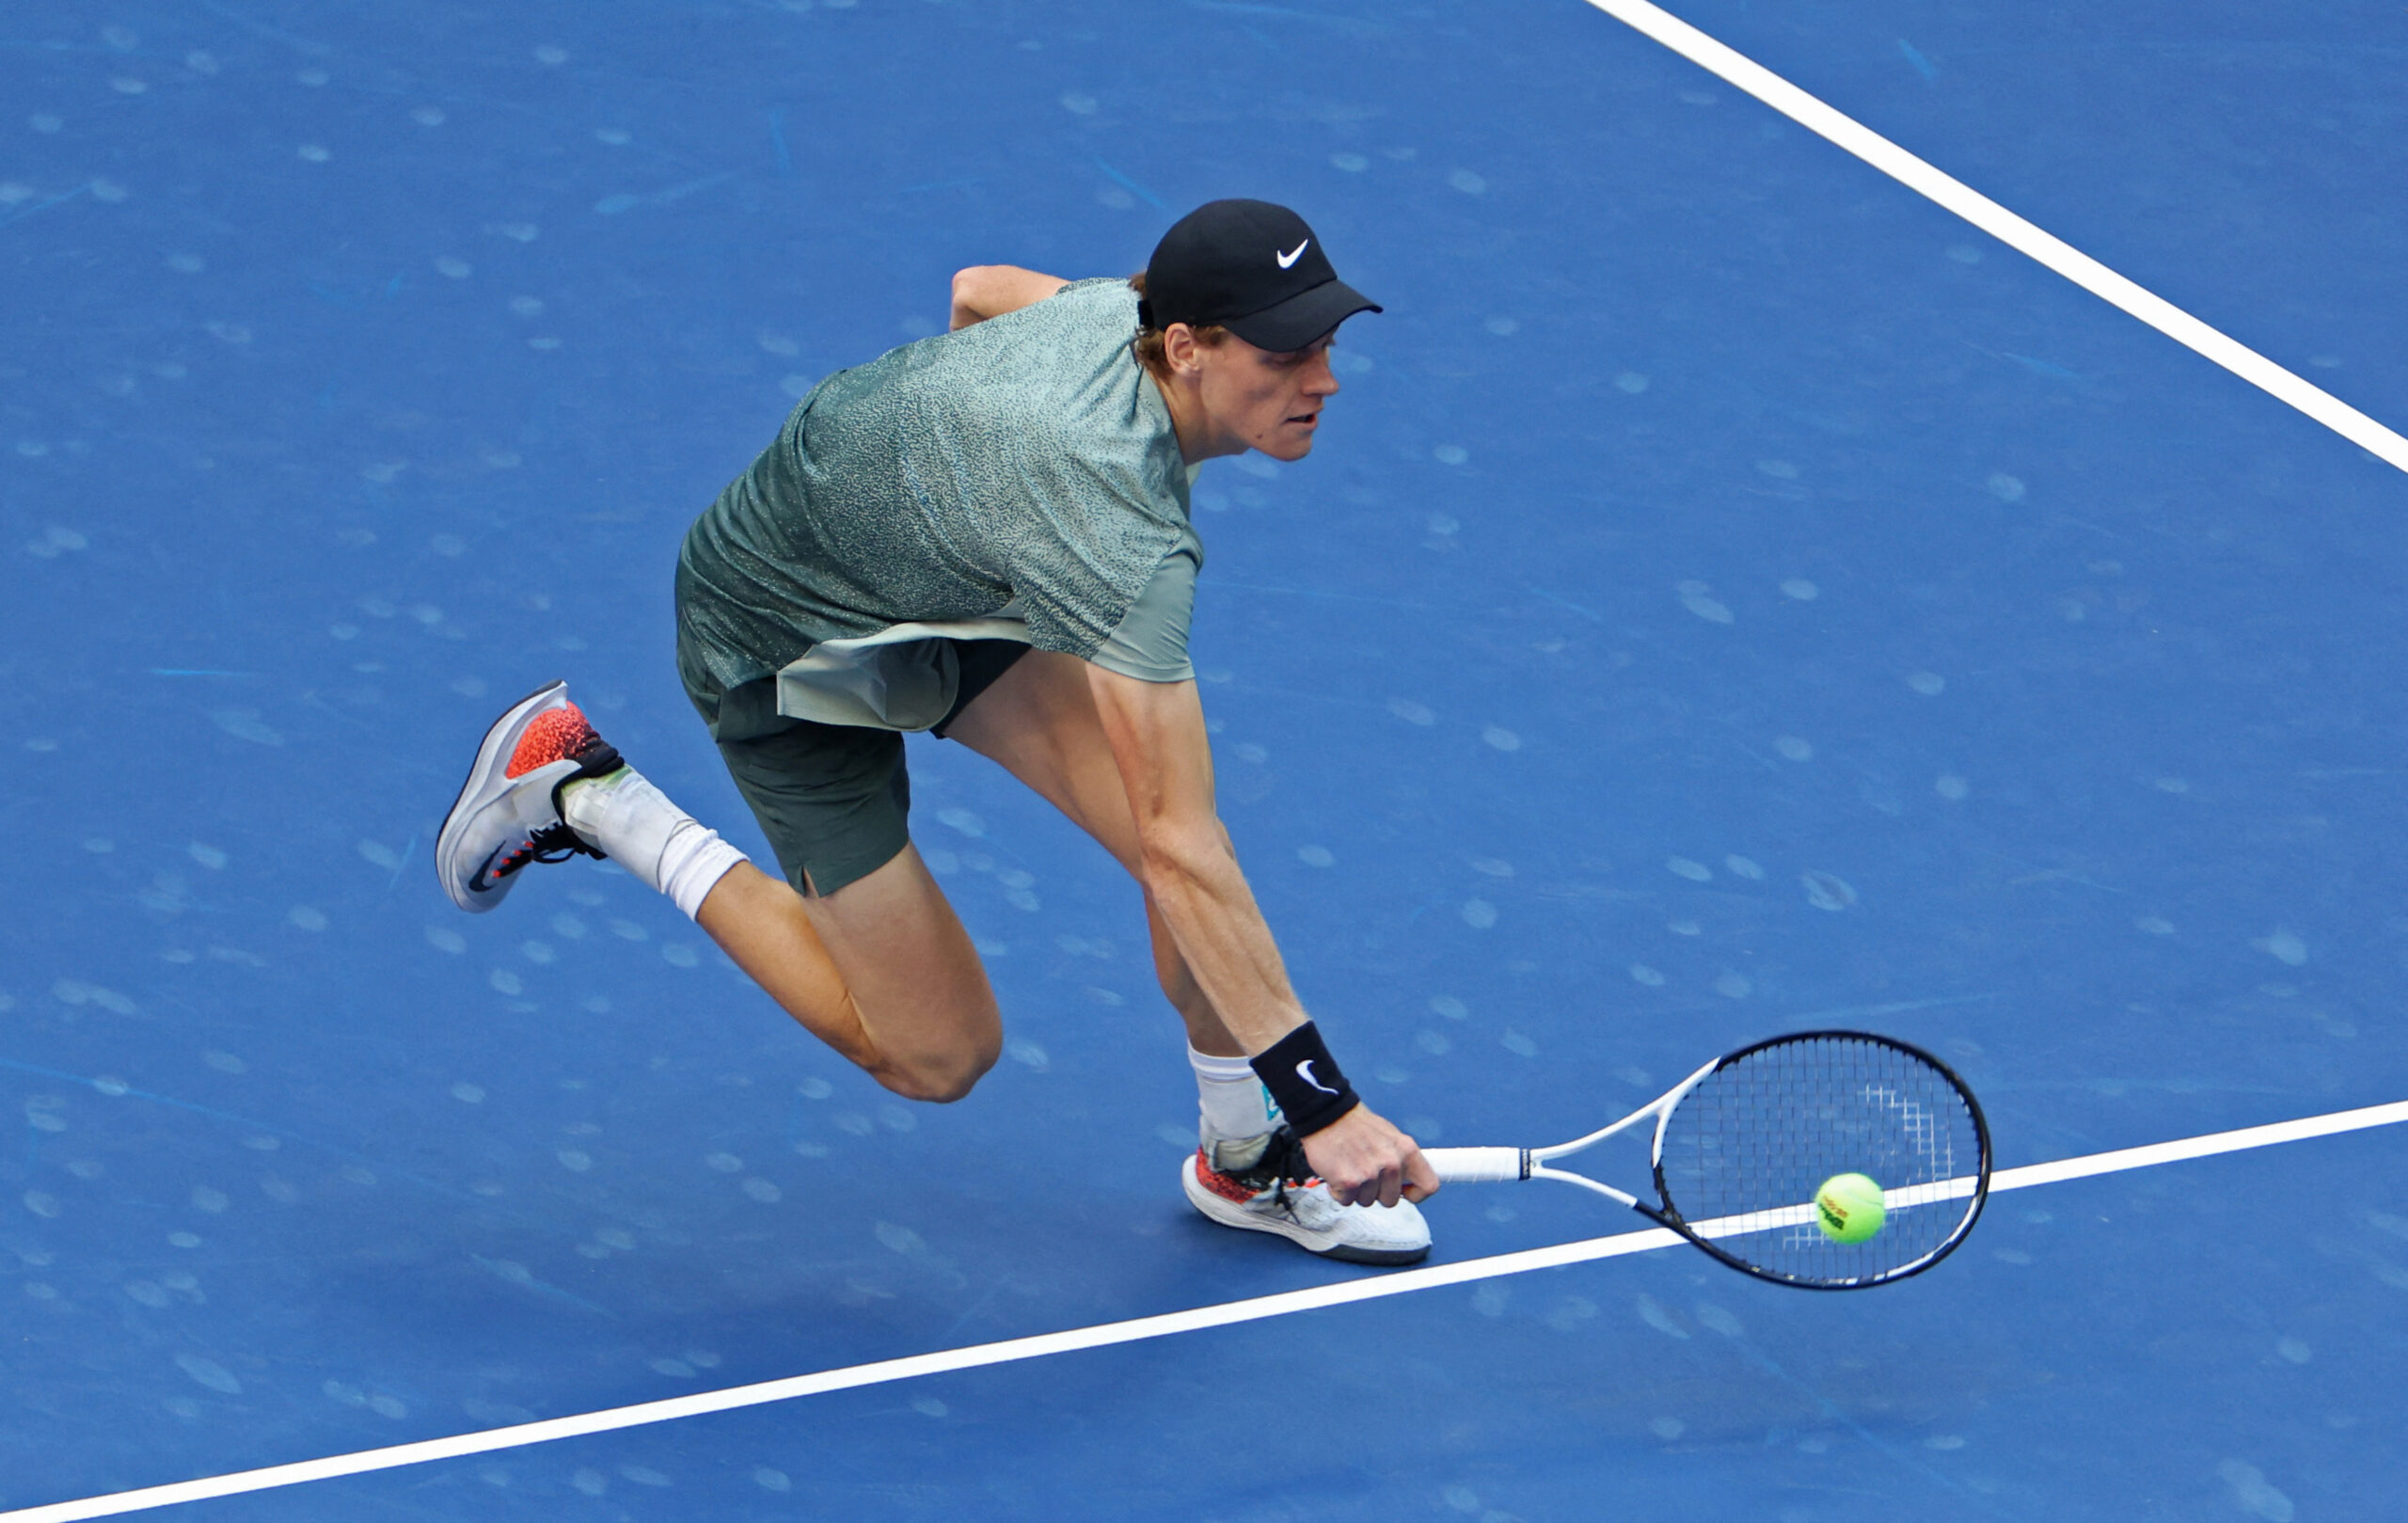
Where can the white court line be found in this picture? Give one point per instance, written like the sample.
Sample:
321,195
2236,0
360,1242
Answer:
1106,1334
1745,73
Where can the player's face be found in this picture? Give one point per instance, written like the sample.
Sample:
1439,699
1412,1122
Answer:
1266,400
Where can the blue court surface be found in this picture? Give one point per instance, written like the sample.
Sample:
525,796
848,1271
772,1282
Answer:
1732,594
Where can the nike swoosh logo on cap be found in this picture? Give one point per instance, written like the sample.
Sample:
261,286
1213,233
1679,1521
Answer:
1288,262
1305,1068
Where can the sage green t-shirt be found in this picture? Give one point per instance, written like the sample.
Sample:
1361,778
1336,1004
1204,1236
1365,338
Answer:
1017,480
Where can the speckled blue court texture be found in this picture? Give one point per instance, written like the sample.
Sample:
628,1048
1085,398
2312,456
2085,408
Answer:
1730,595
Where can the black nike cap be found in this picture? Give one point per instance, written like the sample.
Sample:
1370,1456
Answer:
1251,267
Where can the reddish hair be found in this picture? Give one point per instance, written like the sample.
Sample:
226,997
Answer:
1148,342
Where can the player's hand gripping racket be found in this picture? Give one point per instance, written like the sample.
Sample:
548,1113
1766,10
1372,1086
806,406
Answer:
1771,1158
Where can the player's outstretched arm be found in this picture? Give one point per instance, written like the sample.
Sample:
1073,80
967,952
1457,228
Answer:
1166,763
986,291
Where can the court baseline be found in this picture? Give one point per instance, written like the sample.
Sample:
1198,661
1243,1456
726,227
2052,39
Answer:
1104,1335
1742,72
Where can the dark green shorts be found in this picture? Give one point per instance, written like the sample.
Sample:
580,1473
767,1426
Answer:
834,799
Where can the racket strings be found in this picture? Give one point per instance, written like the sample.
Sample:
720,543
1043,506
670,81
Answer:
1745,1151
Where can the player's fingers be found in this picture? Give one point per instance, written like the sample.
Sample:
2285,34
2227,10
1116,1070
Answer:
1376,1187
1421,1178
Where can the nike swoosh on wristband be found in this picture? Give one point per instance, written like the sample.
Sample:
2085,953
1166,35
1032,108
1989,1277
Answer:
1288,262
1305,1068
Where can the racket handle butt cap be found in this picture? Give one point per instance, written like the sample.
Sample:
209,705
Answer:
1478,1166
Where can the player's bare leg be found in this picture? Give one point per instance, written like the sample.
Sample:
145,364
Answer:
881,971
1039,722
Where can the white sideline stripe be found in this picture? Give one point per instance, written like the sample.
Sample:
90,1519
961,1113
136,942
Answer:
1743,72
1103,1335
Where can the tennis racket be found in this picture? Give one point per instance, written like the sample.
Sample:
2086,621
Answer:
1742,1145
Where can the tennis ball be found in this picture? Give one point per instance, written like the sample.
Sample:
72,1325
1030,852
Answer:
1848,1208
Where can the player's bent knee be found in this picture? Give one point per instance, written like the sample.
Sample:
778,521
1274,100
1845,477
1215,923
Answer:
933,1084
942,1079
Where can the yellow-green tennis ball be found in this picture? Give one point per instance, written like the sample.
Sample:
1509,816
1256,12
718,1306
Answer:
1848,1208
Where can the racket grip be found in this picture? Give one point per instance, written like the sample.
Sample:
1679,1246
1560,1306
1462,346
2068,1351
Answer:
1478,1166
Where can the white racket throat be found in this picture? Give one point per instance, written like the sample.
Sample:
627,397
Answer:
1494,1166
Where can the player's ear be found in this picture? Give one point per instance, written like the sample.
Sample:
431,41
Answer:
1180,351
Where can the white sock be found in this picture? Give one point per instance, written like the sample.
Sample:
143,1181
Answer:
1231,1100
692,865
660,845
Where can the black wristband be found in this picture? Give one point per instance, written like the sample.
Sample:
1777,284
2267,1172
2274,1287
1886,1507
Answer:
1304,1080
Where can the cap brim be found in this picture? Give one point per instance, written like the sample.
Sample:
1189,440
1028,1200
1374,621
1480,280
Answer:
1302,318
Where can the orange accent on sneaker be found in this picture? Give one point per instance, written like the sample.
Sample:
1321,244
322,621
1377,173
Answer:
1219,1184
552,735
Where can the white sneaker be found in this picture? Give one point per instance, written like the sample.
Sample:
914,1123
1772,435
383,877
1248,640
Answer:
1277,1193
508,812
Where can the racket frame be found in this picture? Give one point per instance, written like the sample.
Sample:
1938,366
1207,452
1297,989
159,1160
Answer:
1499,1163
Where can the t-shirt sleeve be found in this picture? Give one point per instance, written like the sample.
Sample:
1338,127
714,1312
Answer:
1151,643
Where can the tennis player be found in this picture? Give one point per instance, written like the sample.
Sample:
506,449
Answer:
985,535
